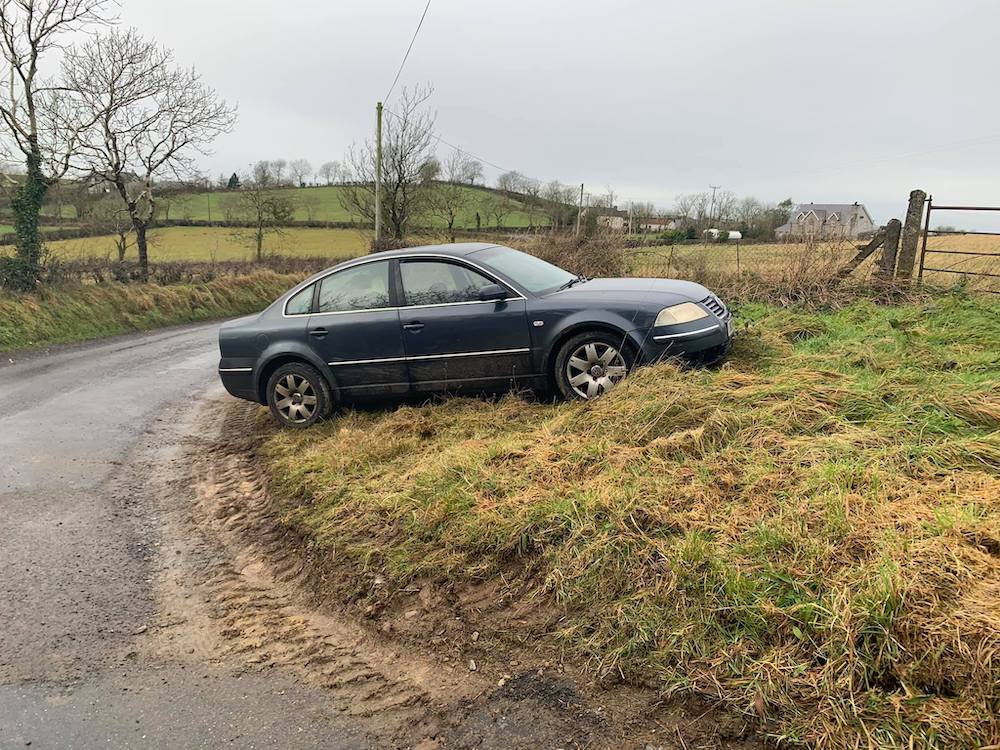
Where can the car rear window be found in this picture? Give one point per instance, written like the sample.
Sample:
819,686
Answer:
300,303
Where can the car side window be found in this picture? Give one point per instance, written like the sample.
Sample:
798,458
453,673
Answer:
364,287
300,303
427,282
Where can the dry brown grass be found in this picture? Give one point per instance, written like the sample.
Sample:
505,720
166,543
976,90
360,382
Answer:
810,534
774,262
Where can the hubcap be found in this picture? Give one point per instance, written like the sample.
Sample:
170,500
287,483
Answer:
294,398
594,369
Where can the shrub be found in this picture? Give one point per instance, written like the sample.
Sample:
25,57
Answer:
602,255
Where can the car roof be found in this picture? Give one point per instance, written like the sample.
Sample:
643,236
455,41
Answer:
458,249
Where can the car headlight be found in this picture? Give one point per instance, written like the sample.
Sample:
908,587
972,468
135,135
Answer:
685,312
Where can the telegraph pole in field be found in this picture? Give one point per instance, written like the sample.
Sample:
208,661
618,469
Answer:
711,209
579,211
378,171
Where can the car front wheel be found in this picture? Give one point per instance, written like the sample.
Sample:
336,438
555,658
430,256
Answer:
592,363
298,396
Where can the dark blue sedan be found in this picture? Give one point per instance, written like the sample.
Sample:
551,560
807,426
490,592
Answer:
459,317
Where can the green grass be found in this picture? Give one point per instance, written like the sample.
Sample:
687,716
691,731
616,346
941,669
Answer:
221,243
809,533
324,204
76,312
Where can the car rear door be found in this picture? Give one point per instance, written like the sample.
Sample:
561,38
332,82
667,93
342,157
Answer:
452,339
355,328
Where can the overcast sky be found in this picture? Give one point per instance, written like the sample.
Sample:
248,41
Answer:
827,102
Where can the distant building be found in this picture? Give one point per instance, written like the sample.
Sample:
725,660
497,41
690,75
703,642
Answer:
827,221
657,224
608,218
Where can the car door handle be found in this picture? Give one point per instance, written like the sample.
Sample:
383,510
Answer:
318,333
414,326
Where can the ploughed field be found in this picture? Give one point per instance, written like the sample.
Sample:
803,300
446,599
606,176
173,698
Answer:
810,533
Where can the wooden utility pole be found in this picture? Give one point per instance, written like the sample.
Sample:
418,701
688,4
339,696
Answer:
579,211
378,171
911,234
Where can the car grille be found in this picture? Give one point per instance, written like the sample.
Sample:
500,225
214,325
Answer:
715,306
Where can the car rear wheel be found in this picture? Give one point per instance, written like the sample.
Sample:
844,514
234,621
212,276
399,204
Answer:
592,363
298,396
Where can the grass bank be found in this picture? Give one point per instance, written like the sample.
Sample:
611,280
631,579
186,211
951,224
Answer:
75,312
810,533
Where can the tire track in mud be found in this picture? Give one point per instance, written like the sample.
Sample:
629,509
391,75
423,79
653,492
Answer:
241,586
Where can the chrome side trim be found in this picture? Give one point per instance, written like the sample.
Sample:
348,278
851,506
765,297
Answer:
417,358
366,361
525,350
235,369
453,304
343,312
685,334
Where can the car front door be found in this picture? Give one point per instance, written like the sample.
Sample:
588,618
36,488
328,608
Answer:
453,339
354,327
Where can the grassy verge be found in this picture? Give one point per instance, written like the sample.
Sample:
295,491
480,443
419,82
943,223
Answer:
75,312
810,533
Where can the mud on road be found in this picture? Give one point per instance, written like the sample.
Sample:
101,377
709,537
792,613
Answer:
236,586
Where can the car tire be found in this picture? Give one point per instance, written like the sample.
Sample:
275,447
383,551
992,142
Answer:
298,395
591,363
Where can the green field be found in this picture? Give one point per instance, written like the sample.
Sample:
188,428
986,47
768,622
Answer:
222,243
324,204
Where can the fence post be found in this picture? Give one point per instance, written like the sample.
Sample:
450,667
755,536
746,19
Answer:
911,234
887,264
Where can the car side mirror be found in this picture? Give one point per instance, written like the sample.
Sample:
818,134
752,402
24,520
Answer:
492,293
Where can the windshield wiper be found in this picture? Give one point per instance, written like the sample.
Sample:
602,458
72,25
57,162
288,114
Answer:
571,282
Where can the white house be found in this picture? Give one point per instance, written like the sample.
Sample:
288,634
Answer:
657,224
827,221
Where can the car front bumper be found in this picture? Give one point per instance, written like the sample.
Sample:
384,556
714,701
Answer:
702,342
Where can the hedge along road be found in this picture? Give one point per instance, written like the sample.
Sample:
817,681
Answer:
80,543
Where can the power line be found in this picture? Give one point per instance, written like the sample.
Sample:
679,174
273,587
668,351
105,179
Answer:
460,150
412,40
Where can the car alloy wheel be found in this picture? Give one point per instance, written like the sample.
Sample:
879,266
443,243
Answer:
295,398
298,395
595,368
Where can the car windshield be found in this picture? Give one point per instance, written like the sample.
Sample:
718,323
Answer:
527,271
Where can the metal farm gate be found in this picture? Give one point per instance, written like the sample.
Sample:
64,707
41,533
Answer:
978,259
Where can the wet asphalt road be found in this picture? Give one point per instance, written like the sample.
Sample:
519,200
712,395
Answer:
75,563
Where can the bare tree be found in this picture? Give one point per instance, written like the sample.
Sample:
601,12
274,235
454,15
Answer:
329,171
449,198
262,173
531,190
694,207
34,111
265,210
407,146
472,171
278,167
301,170
559,203
149,118
109,216
725,207
641,213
